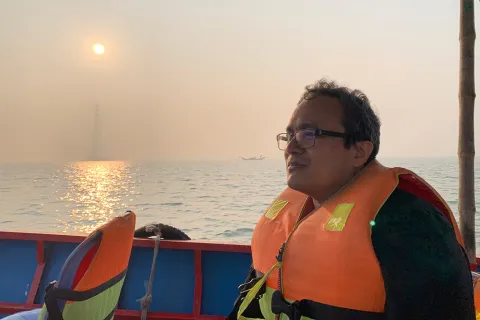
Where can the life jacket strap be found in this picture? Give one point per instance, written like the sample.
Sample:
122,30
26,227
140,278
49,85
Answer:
316,310
253,310
53,294
257,287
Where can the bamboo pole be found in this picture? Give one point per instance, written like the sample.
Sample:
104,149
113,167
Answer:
466,143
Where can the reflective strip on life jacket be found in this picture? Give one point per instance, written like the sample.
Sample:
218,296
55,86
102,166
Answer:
96,303
254,291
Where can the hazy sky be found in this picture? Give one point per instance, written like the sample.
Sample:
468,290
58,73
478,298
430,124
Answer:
218,79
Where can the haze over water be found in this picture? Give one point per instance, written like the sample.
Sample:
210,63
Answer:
214,80
219,201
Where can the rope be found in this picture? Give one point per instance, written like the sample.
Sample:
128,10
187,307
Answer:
147,298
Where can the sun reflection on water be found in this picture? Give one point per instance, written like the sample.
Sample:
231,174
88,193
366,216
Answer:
95,192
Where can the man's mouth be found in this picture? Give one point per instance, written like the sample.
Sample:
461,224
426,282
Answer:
292,166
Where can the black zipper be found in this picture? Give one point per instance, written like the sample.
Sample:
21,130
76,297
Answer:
280,259
281,251
300,219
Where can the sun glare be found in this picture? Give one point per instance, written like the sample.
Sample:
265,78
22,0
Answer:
98,48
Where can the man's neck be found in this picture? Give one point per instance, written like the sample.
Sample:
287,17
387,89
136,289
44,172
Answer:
320,198
317,204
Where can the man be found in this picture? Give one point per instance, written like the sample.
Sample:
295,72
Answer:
349,238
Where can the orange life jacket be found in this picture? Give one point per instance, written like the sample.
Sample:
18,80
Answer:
92,277
476,292
322,247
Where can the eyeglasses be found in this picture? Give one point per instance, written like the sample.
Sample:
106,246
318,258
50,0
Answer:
305,138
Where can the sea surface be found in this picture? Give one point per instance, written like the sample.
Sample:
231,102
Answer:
218,201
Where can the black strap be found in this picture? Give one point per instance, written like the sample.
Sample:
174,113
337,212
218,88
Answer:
253,310
53,294
53,310
316,310
280,305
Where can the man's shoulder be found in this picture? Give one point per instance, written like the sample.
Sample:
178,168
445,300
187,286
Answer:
406,210
414,226
402,201
419,256
401,198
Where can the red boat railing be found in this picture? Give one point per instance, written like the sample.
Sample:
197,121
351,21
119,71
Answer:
121,314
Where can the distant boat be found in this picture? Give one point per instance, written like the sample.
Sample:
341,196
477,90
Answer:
253,158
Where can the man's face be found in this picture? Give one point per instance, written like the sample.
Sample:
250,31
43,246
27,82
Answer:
327,165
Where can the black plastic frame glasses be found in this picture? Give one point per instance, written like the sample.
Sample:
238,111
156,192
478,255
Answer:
305,138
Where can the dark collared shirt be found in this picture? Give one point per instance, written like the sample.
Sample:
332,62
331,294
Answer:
425,270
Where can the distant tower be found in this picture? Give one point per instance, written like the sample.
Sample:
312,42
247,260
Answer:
95,151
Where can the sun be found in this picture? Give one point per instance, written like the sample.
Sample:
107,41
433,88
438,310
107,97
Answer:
98,48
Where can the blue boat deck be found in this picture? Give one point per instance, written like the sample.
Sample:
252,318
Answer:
193,280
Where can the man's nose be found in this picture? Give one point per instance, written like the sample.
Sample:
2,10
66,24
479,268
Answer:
293,147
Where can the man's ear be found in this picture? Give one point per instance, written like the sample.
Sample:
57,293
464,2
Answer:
362,151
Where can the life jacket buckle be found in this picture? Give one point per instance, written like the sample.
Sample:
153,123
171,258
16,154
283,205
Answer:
50,286
280,305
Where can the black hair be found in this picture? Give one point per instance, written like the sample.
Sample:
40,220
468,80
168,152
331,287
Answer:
359,120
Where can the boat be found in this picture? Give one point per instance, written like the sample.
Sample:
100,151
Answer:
253,158
188,282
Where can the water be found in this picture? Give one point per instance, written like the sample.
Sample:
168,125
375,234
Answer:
218,201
